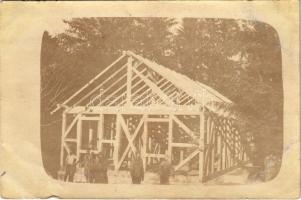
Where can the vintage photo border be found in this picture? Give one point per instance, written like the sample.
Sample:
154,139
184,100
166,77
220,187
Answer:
22,26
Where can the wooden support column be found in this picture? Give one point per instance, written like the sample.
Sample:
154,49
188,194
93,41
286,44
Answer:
144,140
63,137
78,137
100,132
117,141
201,138
129,80
170,138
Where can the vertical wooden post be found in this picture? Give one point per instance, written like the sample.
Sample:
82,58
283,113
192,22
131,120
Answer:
117,142
64,117
201,138
100,132
170,138
78,137
144,140
129,80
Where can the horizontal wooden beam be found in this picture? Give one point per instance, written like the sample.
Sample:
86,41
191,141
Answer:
150,110
184,145
157,119
70,140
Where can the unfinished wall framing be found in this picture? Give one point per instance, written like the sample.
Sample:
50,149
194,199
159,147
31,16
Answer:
138,104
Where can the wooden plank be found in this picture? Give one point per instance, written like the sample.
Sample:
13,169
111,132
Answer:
129,80
129,138
183,145
155,110
111,95
187,159
144,140
100,132
157,119
141,95
116,142
170,135
71,125
91,81
146,91
155,88
107,89
138,90
166,89
70,139
99,86
144,96
184,127
78,137
189,102
120,96
64,117
201,146
109,79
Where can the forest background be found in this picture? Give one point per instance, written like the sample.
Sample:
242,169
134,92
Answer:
240,59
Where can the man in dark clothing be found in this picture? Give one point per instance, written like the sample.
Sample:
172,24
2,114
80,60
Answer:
92,167
101,168
165,170
136,168
87,165
70,166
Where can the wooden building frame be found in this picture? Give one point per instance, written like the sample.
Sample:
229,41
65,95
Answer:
132,96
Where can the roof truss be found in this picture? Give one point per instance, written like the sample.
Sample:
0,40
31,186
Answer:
135,81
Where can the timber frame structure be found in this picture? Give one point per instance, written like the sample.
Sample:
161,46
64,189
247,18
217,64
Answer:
138,104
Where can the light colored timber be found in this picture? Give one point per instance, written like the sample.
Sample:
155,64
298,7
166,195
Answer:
99,86
129,138
187,159
90,82
155,88
71,125
184,127
63,138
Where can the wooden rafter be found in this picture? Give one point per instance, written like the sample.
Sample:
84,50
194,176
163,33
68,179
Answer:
155,88
111,95
108,88
90,82
99,86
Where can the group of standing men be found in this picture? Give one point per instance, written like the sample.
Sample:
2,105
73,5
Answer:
96,167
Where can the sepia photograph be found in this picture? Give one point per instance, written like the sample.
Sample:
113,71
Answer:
162,101
150,100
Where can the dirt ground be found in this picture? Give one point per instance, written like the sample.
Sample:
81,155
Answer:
235,177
